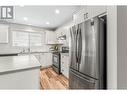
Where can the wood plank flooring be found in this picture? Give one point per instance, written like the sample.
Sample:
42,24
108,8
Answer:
51,80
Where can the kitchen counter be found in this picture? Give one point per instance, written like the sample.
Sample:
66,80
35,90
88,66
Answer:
8,54
24,53
19,72
14,63
35,52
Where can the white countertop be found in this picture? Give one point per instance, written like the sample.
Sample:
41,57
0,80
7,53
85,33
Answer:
15,63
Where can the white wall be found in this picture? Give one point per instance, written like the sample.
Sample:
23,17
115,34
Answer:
122,47
112,47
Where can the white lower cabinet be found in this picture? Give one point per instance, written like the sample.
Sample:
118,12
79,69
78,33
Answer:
65,65
45,59
48,59
21,80
37,55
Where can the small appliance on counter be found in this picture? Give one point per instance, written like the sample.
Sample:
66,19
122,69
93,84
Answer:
54,48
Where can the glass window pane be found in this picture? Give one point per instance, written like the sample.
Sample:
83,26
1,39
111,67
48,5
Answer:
20,39
36,39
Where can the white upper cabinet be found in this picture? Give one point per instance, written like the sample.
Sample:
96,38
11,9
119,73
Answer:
61,36
88,12
79,16
93,11
4,33
50,37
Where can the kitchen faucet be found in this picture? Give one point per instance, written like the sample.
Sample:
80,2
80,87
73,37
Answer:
25,50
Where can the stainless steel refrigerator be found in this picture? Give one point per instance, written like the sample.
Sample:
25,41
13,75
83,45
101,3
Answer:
88,54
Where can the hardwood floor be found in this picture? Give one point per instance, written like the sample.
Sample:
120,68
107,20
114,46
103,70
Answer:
51,80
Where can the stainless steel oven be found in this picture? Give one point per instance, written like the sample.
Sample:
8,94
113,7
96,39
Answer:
56,62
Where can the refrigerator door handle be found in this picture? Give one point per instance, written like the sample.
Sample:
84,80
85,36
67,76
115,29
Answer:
72,45
79,46
73,33
76,51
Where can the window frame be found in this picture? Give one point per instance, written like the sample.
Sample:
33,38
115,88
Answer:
12,39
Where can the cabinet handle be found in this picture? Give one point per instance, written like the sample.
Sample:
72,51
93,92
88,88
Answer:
86,15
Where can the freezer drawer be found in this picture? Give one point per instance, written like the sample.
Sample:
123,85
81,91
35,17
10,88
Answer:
77,81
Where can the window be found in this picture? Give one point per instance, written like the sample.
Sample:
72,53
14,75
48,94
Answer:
20,39
36,39
26,39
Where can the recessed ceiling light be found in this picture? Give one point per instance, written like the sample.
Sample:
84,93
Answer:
57,11
25,18
47,23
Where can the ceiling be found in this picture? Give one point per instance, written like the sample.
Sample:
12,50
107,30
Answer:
49,17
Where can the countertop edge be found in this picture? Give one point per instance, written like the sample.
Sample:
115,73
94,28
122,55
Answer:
18,70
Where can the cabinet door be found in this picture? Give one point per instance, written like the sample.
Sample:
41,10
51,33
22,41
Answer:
62,67
66,73
95,10
62,64
3,33
79,16
37,56
48,59
42,60
88,12
50,37
65,65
